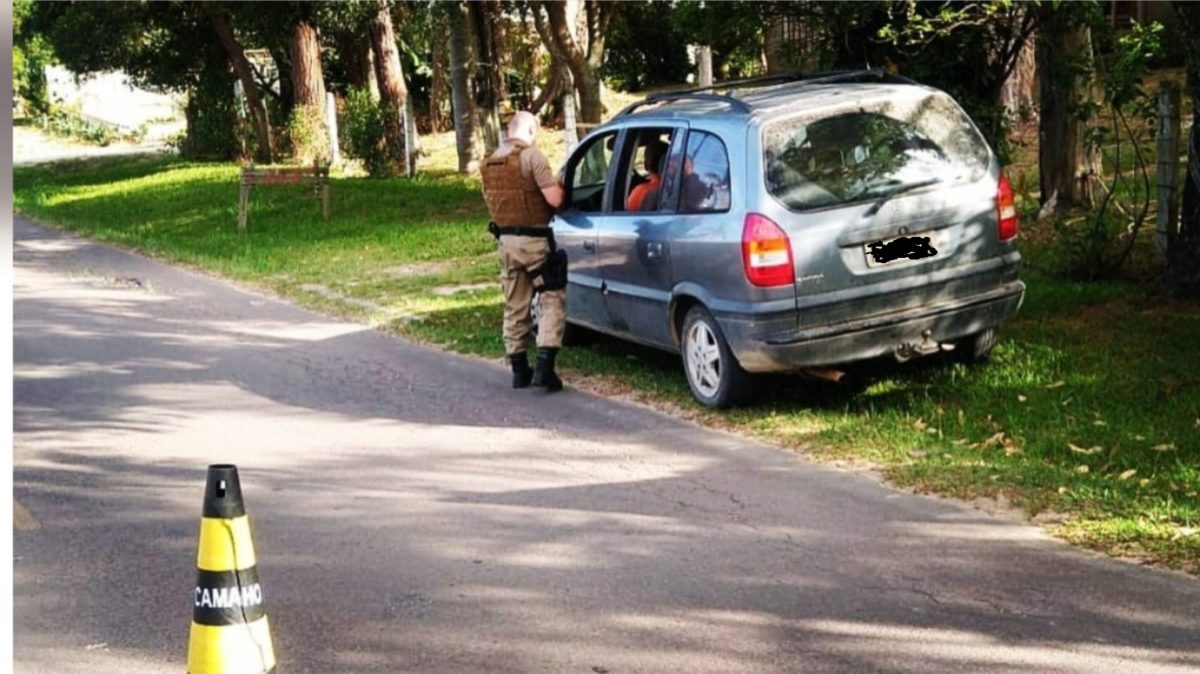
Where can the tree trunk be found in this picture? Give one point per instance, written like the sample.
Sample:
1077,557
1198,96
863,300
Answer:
392,90
309,136
558,79
570,128
1018,92
264,152
550,91
584,65
211,120
1183,256
356,53
486,77
461,103
308,79
437,86
500,57
1066,168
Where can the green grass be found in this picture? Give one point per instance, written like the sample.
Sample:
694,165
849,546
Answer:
1106,368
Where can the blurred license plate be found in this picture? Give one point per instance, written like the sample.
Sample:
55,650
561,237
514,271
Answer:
907,248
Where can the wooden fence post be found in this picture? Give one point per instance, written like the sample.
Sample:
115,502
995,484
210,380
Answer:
243,202
331,125
1168,166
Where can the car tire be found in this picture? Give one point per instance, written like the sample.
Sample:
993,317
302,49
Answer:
713,373
977,348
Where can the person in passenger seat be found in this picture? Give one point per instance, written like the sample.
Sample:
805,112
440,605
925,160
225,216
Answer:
656,152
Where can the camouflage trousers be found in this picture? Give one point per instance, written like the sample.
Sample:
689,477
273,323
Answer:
520,259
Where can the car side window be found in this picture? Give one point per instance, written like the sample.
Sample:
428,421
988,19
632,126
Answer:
588,173
643,163
705,180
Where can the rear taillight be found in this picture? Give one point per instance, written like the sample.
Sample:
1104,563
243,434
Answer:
766,252
1006,209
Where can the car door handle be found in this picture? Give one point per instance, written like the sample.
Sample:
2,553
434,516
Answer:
589,246
655,250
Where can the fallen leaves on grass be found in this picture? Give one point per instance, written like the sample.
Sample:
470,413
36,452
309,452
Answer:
1082,469
1128,474
1096,449
1164,447
1058,384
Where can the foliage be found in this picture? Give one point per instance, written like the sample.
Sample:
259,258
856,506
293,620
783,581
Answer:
160,45
308,136
646,47
966,49
211,117
31,54
734,30
365,132
1099,246
67,121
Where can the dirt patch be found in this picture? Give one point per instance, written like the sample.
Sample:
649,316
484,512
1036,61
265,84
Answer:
419,269
446,291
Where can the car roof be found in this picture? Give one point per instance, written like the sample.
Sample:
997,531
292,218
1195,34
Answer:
764,102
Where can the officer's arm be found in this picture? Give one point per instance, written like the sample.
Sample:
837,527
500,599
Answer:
553,195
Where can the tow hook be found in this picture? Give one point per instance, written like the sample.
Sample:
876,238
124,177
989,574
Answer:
907,350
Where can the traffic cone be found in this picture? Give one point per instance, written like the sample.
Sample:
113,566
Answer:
229,622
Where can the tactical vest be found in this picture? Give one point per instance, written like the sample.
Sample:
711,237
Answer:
512,199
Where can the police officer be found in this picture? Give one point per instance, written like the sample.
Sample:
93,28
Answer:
522,194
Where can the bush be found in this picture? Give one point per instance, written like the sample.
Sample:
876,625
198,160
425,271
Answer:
69,122
308,136
364,126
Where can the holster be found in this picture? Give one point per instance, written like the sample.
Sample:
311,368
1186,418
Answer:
553,273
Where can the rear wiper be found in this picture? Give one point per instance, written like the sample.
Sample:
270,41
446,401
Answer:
900,190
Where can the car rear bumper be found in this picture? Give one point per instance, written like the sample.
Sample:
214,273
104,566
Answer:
760,350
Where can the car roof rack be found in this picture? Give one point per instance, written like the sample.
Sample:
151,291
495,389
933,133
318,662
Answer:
708,93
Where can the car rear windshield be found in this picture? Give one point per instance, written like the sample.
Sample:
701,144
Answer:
871,149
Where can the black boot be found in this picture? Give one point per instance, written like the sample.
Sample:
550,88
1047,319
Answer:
544,374
520,368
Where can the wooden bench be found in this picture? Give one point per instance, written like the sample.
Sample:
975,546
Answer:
316,175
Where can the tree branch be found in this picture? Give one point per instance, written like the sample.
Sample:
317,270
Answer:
561,35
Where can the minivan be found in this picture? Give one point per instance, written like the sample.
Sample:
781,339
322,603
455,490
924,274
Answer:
796,222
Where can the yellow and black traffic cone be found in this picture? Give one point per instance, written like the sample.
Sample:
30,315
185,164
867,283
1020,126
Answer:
229,621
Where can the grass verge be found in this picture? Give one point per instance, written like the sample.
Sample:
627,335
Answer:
1088,417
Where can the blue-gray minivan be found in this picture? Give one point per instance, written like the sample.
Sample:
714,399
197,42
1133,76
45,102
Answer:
788,223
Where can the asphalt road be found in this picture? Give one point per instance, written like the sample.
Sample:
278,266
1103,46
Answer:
412,513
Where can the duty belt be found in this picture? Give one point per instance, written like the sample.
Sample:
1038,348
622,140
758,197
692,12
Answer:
544,232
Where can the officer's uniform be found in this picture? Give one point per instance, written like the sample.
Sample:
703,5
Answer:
512,180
